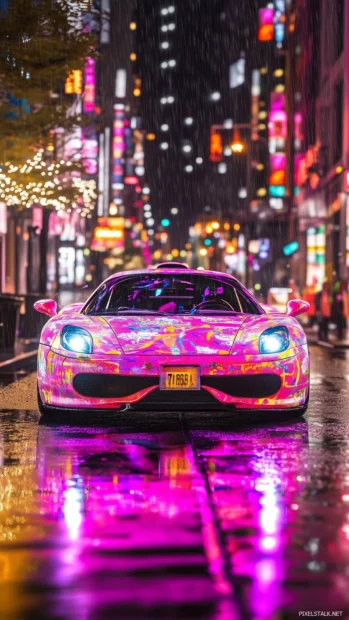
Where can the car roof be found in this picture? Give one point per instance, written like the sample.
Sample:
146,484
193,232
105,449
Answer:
171,271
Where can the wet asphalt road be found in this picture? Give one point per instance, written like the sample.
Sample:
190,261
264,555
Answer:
176,516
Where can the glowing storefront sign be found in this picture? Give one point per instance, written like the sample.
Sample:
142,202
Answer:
109,234
216,147
279,22
277,126
255,94
73,83
290,248
120,84
237,73
347,235
316,244
132,180
277,191
277,169
266,25
90,153
118,150
3,218
90,85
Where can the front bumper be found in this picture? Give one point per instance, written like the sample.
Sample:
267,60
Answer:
56,374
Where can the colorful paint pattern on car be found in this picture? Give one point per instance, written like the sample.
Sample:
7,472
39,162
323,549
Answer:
140,346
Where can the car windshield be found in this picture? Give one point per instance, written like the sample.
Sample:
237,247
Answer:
171,294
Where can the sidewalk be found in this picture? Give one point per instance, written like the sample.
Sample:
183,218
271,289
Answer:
26,348
23,349
333,342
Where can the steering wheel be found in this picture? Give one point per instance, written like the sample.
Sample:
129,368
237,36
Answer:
212,302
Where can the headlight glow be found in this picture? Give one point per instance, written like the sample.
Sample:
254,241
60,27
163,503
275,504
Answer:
274,340
76,339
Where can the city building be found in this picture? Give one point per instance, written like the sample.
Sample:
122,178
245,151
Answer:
216,108
193,84
270,186
322,202
120,240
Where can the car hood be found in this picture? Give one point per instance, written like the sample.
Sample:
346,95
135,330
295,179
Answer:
176,335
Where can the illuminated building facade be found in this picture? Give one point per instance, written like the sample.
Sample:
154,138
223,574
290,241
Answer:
269,189
321,139
193,79
121,172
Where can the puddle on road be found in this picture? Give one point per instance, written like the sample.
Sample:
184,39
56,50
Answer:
118,520
167,516
109,520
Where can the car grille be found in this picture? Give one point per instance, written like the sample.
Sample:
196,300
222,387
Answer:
245,386
119,386
181,399
111,386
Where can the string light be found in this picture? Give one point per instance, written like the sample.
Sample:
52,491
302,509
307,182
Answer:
30,184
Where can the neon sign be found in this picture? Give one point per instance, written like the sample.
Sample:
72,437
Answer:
279,22
89,152
277,126
73,83
216,147
266,25
90,85
118,150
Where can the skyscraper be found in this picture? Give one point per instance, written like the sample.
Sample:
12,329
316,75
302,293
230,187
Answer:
185,50
118,236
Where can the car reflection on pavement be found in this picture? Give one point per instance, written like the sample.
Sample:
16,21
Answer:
204,524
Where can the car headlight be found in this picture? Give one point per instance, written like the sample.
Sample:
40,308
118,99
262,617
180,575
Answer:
76,339
274,340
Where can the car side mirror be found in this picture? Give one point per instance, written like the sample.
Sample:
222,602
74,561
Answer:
46,306
295,307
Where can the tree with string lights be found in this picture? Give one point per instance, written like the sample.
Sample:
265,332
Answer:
52,184
41,44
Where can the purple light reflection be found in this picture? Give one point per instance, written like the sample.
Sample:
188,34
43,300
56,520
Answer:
73,498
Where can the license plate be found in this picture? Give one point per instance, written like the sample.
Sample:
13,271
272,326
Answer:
180,378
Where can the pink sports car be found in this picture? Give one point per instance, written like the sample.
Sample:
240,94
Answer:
172,337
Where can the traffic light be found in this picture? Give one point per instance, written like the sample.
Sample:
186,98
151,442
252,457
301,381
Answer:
237,146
